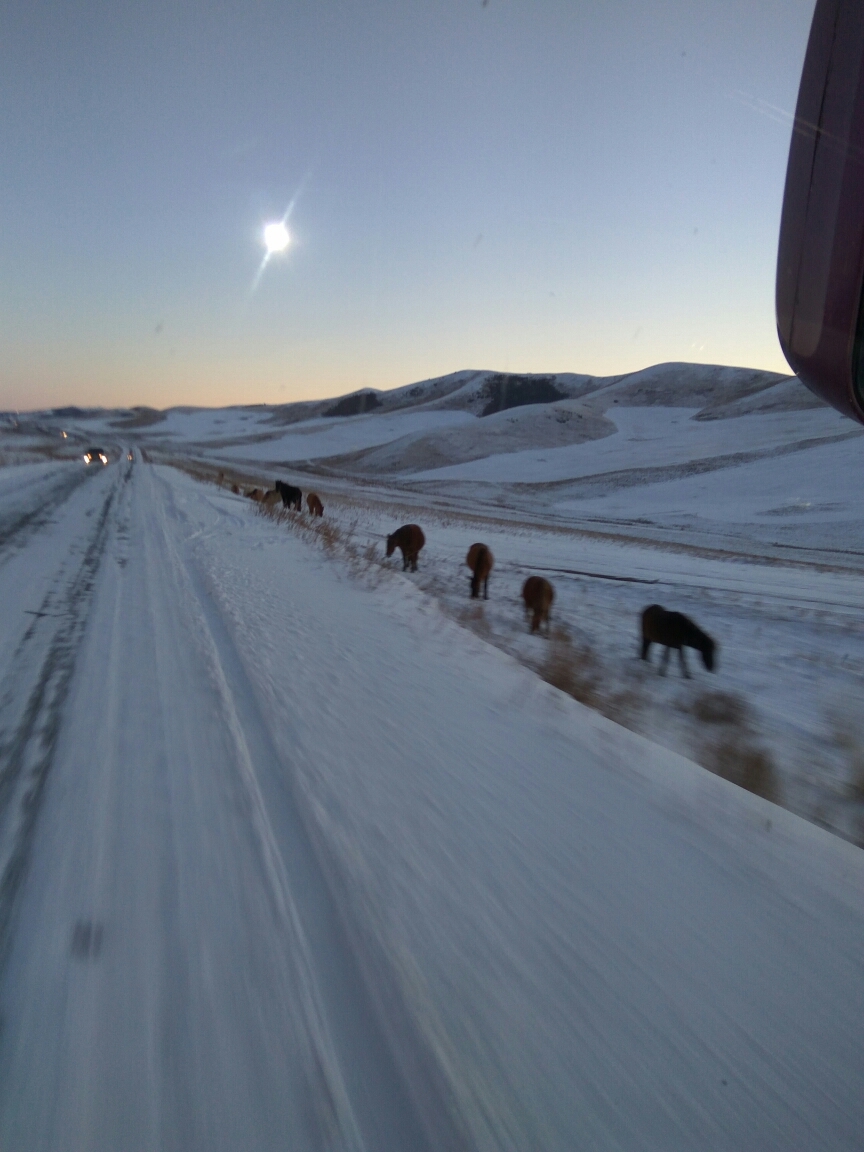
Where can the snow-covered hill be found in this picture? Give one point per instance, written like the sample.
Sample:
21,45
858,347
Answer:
689,448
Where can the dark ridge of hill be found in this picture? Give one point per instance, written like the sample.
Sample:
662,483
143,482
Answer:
357,404
139,417
392,400
73,413
509,391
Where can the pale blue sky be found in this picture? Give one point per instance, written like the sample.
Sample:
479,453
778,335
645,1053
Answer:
552,185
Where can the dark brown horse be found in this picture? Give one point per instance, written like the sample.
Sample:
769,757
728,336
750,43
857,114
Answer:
291,497
410,539
538,595
480,561
675,630
313,503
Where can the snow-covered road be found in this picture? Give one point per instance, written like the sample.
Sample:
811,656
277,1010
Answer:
177,976
290,860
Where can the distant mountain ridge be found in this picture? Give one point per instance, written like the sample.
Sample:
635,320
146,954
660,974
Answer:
714,389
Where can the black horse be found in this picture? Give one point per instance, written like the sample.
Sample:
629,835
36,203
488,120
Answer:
291,497
675,630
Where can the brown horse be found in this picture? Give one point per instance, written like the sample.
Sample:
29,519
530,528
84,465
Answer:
410,539
480,561
675,630
255,494
313,503
538,595
235,489
271,498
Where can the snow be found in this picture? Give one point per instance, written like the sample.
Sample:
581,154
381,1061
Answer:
361,878
645,437
297,849
819,490
334,436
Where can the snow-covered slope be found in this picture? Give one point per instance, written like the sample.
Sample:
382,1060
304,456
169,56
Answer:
290,858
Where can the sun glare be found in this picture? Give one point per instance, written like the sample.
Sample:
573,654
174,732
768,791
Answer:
276,238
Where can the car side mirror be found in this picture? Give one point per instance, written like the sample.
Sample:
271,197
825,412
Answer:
820,261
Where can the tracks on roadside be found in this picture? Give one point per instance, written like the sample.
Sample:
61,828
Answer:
19,524
33,692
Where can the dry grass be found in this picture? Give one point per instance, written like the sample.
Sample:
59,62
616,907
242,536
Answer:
575,668
737,759
572,668
845,735
365,561
719,708
732,749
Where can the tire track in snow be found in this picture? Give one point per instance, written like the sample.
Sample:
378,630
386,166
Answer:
379,1084
31,709
19,524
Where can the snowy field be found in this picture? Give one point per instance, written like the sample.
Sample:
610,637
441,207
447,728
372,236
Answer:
299,850
303,859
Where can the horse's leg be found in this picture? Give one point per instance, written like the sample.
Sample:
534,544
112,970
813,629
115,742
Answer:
664,663
486,588
646,644
683,662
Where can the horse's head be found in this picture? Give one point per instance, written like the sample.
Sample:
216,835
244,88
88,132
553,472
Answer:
709,648
391,544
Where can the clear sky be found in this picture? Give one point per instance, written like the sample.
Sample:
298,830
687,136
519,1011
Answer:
524,185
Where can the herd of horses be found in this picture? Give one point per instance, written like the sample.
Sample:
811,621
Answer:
289,496
672,630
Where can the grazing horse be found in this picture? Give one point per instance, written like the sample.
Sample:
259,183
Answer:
291,497
480,561
313,503
235,489
410,539
538,595
675,630
255,494
271,498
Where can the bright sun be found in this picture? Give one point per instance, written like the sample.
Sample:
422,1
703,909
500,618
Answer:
276,238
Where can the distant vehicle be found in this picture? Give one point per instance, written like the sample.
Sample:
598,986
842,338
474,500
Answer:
94,454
